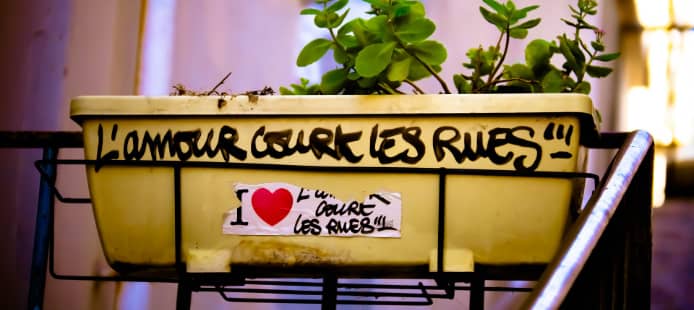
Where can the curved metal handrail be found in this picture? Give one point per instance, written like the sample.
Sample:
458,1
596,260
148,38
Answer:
562,272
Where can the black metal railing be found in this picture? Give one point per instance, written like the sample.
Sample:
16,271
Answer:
609,244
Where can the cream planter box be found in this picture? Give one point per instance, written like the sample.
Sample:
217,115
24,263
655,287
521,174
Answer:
369,195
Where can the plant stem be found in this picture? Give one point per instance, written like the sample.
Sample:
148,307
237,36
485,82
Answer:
389,89
334,37
579,79
503,55
476,78
577,37
332,32
416,88
219,84
516,80
498,46
429,68
498,42
581,15
433,73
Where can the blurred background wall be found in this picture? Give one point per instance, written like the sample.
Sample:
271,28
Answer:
53,50
34,37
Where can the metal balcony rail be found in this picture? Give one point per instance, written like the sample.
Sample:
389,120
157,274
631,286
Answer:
610,243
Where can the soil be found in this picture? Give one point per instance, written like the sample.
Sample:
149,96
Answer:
181,90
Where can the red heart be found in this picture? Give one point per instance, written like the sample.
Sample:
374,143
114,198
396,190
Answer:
272,207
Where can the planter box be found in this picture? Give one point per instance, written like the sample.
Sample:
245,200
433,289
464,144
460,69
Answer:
369,195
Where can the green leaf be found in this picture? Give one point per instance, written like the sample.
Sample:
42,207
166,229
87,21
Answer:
367,82
335,20
377,24
573,54
333,81
337,5
527,9
313,51
498,7
598,72
585,5
309,11
415,30
353,76
340,55
529,24
387,88
538,54
285,91
568,55
379,4
519,71
313,90
321,19
577,52
608,57
301,89
347,41
346,28
401,10
405,11
373,59
493,18
462,84
482,61
362,33
510,6
554,47
570,23
417,10
520,14
553,82
418,71
598,46
518,33
582,88
400,69
431,52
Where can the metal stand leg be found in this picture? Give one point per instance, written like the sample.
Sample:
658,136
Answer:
477,293
329,300
183,296
185,291
41,234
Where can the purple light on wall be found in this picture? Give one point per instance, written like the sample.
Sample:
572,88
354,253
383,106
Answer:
157,43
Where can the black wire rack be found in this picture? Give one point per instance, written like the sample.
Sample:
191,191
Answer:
327,286
329,290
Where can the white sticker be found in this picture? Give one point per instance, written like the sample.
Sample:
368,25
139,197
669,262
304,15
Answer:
285,209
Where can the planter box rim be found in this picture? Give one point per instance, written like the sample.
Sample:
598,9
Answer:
340,105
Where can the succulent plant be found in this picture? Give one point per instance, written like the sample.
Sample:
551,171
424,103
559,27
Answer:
379,54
